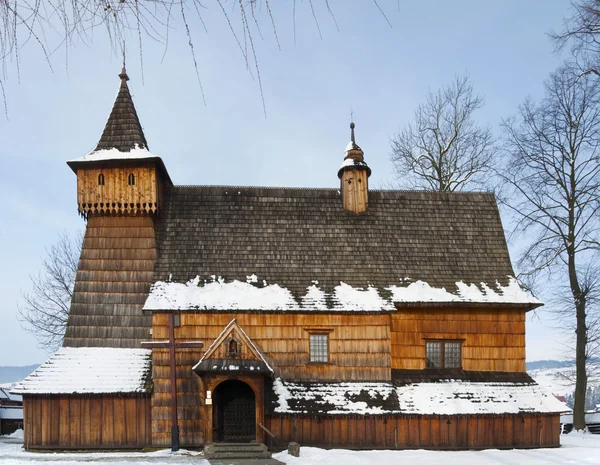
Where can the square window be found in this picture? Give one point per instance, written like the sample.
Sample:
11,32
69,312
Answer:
443,354
319,348
434,355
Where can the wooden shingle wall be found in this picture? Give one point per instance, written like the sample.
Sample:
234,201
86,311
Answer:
86,422
112,283
116,195
359,350
492,340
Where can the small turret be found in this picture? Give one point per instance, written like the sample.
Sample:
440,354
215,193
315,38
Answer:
120,176
354,177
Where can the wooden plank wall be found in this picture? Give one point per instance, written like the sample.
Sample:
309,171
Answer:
86,422
189,402
359,348
112,283
355,190
416,432
359,344
493,340
116,195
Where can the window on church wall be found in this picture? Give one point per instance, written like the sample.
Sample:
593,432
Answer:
100,179
131,179
319,348
443,354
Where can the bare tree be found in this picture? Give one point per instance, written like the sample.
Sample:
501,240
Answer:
45,309
553,174
55,25
582,29
444,149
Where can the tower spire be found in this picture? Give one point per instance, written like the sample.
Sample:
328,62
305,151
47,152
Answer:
123,130
354,177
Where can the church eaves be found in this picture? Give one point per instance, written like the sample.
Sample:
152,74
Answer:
123,130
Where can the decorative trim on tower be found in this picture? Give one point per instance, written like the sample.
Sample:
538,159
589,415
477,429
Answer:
354,174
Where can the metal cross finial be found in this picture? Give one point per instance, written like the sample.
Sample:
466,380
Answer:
123,74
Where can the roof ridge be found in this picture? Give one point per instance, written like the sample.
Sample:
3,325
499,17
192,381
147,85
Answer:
332,189
123,130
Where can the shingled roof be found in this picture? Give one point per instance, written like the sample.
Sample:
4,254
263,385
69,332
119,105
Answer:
123,130
294,237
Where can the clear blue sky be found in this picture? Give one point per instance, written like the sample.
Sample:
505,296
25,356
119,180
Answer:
379,72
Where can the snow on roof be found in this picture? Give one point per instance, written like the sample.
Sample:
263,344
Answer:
237,295
333,398
90,370
461,398
5,395
115,154
420,291
353,162
11,413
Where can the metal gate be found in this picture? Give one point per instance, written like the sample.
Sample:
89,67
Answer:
236,409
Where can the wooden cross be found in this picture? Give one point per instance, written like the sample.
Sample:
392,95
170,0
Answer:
172,345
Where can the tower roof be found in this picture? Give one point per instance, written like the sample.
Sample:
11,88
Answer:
353,156
123,130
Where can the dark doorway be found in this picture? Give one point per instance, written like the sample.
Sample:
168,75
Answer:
235,412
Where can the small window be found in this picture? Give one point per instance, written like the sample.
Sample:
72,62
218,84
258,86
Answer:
319,348
131,179
234,348
443,354
100,179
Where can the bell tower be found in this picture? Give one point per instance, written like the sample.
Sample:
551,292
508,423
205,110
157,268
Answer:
354,177
120,187
120,176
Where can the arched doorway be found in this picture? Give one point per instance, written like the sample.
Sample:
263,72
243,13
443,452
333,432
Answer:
234,412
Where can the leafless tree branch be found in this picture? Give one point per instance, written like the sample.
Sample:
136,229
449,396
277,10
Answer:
44,310
444,149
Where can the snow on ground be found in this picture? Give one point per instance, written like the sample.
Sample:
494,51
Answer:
576,448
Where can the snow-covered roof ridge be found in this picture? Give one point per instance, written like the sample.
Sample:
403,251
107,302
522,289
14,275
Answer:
218,294
433,398
90,370
340,398
136,153
420,291
466,397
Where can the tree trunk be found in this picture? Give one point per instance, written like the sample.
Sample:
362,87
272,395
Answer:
580,362
580,347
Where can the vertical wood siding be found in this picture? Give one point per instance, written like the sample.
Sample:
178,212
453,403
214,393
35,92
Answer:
86,422
355,190
492,340
117,196
358,344
417,432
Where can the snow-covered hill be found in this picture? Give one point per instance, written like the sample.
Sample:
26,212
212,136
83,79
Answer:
559,379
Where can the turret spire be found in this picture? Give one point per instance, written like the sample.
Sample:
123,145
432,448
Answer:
354,174
123,130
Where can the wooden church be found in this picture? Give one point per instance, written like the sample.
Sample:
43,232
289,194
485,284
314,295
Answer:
349,318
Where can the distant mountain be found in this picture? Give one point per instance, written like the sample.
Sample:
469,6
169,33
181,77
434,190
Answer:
558,377
14,374
547,364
